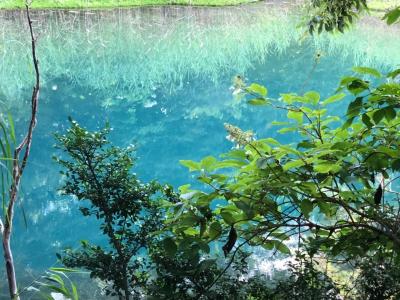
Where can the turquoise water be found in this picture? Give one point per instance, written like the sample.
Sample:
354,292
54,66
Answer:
161,77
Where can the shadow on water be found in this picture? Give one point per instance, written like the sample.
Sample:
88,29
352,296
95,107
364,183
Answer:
161,76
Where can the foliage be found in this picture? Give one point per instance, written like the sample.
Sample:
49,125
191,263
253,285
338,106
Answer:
332,186
128,210
7,143
306,281
178,277
339,14
392,16
54,282
379,277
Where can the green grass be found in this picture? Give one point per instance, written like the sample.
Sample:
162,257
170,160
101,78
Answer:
42,4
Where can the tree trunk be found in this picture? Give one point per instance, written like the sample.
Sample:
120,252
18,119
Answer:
126,285
8,257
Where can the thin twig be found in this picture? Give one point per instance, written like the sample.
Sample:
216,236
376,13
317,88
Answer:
18,169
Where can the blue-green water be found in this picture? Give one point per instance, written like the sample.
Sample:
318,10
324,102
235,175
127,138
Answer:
161,77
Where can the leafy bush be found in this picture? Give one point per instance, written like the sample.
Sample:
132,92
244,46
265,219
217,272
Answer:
306,282
178,277
129,211
379,278
334,187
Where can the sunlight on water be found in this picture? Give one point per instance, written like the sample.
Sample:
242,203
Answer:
161,76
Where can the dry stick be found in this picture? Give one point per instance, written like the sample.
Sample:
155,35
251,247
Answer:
18,169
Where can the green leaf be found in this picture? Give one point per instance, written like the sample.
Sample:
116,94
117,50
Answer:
229,164
282,248
169,246
215,230
357,86
394,73
396,165
12,129
289,98
75,295
333,98
192,165
293,164
306,207
64,270
378,115
367,120
327,167
278,245
367,71
258,89
390,113
262,163
189,220
208,163
295,115
313,97
258,101
354,108
392,16
228,217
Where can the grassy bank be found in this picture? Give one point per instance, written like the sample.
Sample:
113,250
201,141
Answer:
41,4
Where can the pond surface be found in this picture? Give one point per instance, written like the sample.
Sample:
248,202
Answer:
161,77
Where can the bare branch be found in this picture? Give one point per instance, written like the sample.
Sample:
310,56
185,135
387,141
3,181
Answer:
18,169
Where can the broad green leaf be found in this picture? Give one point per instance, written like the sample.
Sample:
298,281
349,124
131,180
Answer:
191,231
295,115
278,245
228,217
288,98
282,248
293,164
354,108
333,98
367,71
257,89
357,86
392,16
367,120
378,116
192,165
189,220
263,162
258,101
313,97
169,246
215,230
306,207
327,167
287,129
208,163
390,113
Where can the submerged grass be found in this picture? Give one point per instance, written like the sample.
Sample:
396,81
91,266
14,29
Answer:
43,4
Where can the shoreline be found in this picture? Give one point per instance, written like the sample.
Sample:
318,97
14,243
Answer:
130,4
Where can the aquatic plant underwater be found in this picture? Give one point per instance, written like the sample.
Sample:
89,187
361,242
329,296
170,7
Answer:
167,106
